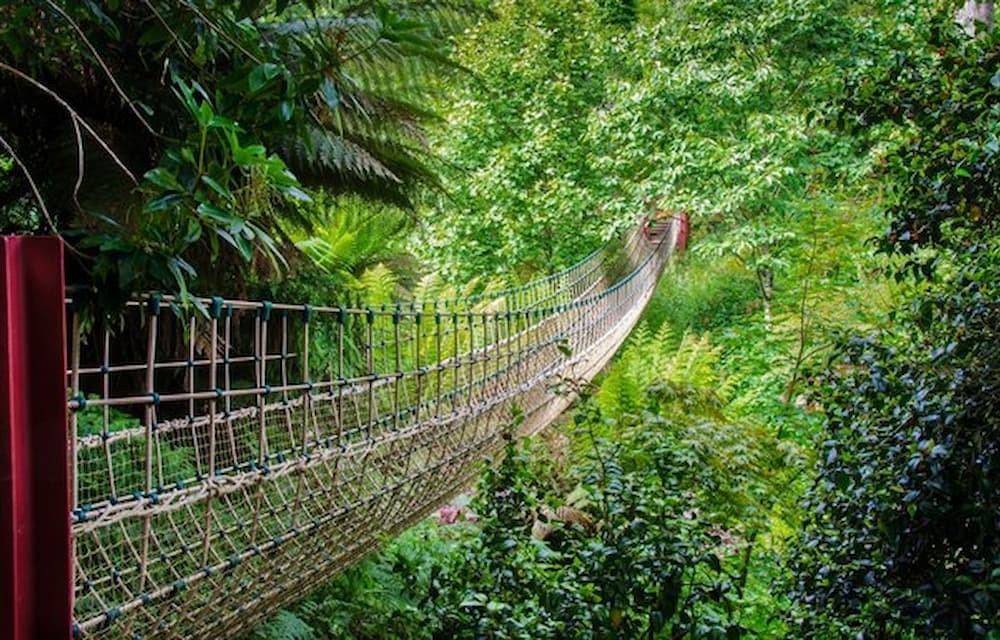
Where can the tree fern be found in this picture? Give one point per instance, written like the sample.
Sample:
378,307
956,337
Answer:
432,287
619,394
687,372
355,247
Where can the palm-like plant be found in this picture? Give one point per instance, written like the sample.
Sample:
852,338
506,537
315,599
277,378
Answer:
355,247
169,134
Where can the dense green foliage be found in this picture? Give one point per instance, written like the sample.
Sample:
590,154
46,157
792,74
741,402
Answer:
522,191
648,530
161,137
574,128
802,438
682,499
904,537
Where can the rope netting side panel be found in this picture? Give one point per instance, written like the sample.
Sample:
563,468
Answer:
225,463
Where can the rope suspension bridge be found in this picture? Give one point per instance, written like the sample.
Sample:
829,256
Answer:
222,464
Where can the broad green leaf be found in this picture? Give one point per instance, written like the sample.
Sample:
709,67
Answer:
217,187
164,203
263,74
218,215
163,178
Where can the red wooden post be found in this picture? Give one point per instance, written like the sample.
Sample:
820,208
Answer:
36,572
682,233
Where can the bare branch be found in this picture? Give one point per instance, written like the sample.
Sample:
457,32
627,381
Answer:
79,165
100,62
38,196
31,182
73,114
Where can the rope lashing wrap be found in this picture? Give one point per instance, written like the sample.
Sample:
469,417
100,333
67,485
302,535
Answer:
238,458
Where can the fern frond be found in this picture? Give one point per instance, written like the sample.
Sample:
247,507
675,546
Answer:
285,625
430,287
378,285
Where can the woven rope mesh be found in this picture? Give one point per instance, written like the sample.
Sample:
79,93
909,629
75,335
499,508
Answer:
225,463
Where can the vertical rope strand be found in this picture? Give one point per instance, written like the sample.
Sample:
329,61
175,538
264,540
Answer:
153,318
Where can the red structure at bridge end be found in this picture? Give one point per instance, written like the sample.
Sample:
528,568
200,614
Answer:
647,224
682,233
36,580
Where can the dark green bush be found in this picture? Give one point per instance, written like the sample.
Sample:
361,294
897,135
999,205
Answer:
903,537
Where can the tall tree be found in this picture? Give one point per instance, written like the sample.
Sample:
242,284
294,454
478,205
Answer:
522,182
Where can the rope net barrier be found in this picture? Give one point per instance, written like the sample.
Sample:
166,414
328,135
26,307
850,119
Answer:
226,463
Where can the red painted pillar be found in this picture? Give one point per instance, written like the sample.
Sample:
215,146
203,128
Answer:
36,572
682,233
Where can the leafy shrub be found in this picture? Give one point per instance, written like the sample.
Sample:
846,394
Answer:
385,596
904,532
631,559
903,535
286,626
700,294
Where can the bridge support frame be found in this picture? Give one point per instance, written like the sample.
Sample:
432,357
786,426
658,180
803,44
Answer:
36,573
685,229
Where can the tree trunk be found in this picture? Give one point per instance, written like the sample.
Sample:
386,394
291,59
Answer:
975,17
765,282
